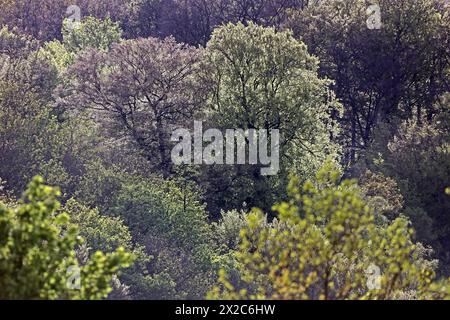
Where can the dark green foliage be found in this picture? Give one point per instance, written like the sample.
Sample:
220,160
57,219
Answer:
417,157
397,70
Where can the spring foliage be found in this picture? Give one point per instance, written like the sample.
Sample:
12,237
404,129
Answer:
37,252
323,246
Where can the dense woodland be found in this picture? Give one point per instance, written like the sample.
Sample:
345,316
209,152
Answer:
87,109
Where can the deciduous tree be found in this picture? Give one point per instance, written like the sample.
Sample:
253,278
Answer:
326,245
37,252
142,89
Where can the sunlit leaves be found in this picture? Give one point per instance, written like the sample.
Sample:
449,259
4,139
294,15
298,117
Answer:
37,248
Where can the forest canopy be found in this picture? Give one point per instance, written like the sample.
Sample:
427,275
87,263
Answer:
348,99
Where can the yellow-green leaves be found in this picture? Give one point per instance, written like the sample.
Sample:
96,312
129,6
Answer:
326,245
37,256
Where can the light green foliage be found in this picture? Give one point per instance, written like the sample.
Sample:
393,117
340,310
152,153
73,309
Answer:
89,33
100,184
382,195
322,246
15,44
37,249
106,234
63,149
57,53
102,233
21,66
161,207
172,224
93,115
227,230
266,79
34,141
165,217
26,85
